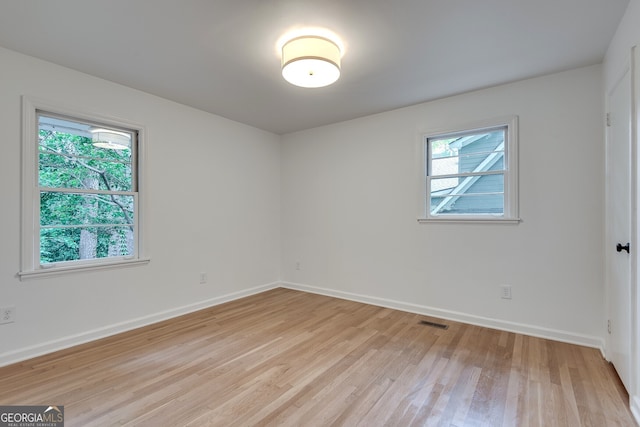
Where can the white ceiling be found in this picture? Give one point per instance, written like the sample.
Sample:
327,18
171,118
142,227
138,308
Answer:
220,55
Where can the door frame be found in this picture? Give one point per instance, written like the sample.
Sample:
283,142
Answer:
634,393
633,67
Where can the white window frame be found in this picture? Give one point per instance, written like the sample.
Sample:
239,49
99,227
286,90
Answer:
30,266
511,205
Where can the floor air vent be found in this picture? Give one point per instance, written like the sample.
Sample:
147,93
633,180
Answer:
434,324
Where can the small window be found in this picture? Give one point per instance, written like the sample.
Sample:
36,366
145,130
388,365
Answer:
471,173
81,193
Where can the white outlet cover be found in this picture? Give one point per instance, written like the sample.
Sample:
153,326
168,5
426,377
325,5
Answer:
7,315
505,292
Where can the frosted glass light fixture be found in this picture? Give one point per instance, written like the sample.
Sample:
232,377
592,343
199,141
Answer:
110,139
310,61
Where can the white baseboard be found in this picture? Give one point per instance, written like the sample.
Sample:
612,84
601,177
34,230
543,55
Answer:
634,403
25,353
521,328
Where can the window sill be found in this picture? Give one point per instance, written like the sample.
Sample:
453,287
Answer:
69,269
470,220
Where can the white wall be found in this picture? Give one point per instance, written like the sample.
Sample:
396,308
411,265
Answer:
616,60
214,206
350,194
627,35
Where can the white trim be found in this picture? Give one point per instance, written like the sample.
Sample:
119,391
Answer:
85,191
29,182
55,270
29,260
504,325
634,405
463,219
25,353
634,399
631,66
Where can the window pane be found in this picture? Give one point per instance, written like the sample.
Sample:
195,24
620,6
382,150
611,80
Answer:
445,166
78,155
467,172
483,194
82,155
76,243
480,142
442,147
468,204
493,183
77,209
65,171
478,152
444,185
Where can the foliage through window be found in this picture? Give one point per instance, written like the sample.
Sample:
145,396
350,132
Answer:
87,182
471,174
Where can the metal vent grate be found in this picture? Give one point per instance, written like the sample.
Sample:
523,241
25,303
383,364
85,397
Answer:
434,324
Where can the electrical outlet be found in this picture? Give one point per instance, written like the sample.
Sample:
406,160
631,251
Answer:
297,265
505,292
203,278
7,315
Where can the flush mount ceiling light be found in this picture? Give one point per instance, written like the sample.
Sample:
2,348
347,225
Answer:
310,61
110,139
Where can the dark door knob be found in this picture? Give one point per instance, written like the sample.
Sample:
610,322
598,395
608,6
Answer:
620,247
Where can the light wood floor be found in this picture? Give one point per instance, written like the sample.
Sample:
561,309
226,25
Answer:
290,358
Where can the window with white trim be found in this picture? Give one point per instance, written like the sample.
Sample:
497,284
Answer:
81,191
471,173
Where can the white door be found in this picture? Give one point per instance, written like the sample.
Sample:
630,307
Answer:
619,226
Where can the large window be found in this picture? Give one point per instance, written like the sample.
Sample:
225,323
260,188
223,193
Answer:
471,173
81,187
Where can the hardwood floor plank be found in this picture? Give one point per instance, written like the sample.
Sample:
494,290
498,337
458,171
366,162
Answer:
285,357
